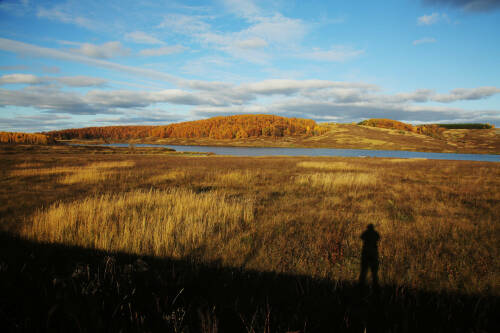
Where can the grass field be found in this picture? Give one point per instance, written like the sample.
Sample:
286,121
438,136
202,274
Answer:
296,218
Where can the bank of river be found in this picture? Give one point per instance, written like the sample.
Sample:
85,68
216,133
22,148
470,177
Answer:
265,151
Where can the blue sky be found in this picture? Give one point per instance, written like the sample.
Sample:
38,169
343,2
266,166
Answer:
66,64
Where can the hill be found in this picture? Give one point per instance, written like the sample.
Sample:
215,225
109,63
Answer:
230,127
275,131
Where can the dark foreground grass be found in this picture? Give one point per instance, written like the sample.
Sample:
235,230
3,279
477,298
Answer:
69,289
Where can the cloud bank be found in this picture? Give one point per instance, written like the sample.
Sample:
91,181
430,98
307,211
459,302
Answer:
471,6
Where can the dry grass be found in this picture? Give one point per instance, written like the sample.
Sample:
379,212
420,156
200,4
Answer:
405,160
42,172
88,176
333,181
239,177
86,170
28,165
333,166
438,219
112,165
169,176
162,223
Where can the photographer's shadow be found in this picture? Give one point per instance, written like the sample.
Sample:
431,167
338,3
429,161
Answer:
369,256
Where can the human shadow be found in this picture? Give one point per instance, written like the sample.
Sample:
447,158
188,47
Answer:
57,288
369,255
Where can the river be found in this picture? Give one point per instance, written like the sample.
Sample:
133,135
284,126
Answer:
266,151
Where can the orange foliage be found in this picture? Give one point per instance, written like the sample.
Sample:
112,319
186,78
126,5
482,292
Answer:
107,132
27,138
388,123
231,127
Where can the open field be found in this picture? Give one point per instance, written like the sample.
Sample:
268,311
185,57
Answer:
350,136
268,243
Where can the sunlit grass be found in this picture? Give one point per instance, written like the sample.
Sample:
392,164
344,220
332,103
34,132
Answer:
85,170
161,223
331,181
169,176
88,176
43,171
238,177
334,166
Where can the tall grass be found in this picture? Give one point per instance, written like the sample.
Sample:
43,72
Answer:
332,181
237,177
79,173
172,175
172,223
42,172
334,166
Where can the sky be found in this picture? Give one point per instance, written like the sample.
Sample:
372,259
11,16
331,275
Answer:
70,64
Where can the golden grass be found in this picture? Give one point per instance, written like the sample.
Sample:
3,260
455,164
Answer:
112,165
162,223
239,177
334,166
42,172
26,165
331,181
86,175
172,175
86,170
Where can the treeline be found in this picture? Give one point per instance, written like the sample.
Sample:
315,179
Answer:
26,138
433,130
230,127
467,126
106,132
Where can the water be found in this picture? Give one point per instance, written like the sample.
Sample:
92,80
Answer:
258,151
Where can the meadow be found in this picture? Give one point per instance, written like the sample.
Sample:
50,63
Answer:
291,218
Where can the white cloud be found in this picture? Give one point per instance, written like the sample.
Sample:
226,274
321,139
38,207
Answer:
20,78
248,44
26,49
60,14
72,81
184,24
335,54
244,8
141,37
161,51
251,43
80,81
314,98
467,94
30,123
428,19
289,87
471,6
277,29
103,51
425,40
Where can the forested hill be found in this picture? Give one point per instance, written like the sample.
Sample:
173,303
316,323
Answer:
25,138
230,127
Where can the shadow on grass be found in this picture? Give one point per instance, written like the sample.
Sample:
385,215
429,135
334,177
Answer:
69,289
